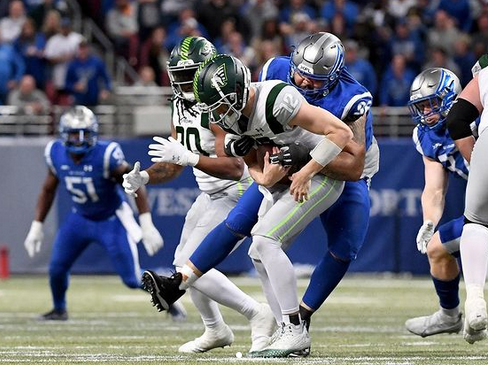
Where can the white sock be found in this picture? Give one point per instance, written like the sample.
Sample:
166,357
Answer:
218,287
189,277
209,310
268,291
280,272
474,254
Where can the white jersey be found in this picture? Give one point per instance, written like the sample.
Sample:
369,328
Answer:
275,105
483,85
193,131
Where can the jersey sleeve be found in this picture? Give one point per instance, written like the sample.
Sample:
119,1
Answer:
416,140
357,106
264,74
113,158
48,156
286,101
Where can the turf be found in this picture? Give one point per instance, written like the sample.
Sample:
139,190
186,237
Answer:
362,323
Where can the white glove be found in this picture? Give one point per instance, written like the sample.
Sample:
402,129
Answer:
34,238
424,236
151,238
170,150
135,179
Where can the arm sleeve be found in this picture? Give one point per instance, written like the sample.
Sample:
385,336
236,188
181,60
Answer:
460,117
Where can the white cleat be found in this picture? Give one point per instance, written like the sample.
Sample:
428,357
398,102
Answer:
291,341
211,339
434,324
262,327
476,320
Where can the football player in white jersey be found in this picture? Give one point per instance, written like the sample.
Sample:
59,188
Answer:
472,102
273,112
222,181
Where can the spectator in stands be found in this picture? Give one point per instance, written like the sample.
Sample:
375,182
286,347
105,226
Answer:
348,9
236,47
60,50
146,77
398,9
259,11
295,7
226,29
12,69
186,26
30,45
460,11
265,50
359,67
301,26
154,55
271,32
439,58
87,78
395,83
30,99
51,24
122,26
148,17
464,57
444,32
11,26
407,44
480,38
40,12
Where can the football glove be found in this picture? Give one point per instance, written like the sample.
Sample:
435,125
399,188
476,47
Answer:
135,179
294,155
34,238
151,239
238,146
170,150
424,236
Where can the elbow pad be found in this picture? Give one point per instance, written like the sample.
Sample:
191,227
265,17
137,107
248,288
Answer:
460,117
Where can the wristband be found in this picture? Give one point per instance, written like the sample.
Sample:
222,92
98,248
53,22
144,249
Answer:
193,158
144,177
325,151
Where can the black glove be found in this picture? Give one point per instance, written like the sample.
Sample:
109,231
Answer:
239,147
294,155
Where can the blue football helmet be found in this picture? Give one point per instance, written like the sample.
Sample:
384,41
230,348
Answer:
434,89
318,57
78,128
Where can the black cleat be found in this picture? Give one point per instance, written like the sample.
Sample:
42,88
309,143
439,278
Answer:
164,291
54,315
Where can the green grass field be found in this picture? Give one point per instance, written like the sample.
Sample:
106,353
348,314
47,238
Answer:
362,323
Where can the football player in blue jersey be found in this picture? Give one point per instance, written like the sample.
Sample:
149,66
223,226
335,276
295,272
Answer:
91,171
316,68
432,95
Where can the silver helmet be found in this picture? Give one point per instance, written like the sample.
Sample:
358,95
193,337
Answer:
78,128
435,89
318,57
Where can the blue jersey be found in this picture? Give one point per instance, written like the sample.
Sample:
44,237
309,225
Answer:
95,194
347,100
438,145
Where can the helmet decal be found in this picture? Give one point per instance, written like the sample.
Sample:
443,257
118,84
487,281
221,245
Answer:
219,78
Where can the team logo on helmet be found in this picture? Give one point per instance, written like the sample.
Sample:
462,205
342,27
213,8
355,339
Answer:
219,78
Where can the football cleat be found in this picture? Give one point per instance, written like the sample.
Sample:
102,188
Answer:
289,341
54,315
177,312
164,290
475,323
434,324
211,339
263,326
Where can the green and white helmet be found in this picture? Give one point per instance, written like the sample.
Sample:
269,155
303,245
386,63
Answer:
184,60
223,80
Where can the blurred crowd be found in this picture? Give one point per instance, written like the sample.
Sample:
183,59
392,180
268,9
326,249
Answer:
388,42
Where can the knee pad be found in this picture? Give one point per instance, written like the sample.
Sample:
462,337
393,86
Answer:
241,223
259,245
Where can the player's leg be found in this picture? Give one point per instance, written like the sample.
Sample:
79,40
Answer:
474,243
71,239
442,251
346,224
282,223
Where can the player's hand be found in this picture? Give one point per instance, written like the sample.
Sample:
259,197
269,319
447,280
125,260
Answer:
300,185
424,236
294,155
34,238
151,239
237,146
272,173
135,179
170,150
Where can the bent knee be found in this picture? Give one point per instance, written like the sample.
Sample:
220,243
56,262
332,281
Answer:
437,252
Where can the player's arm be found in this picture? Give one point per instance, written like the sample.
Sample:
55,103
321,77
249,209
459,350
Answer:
349,164
465,109
434,193
261,169
45,200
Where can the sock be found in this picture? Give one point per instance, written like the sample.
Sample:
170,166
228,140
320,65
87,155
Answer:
327,274
280,272
189,277
448,293
268,290
59,286
216,246
292,318
209,310
305,314
219,288
474,253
